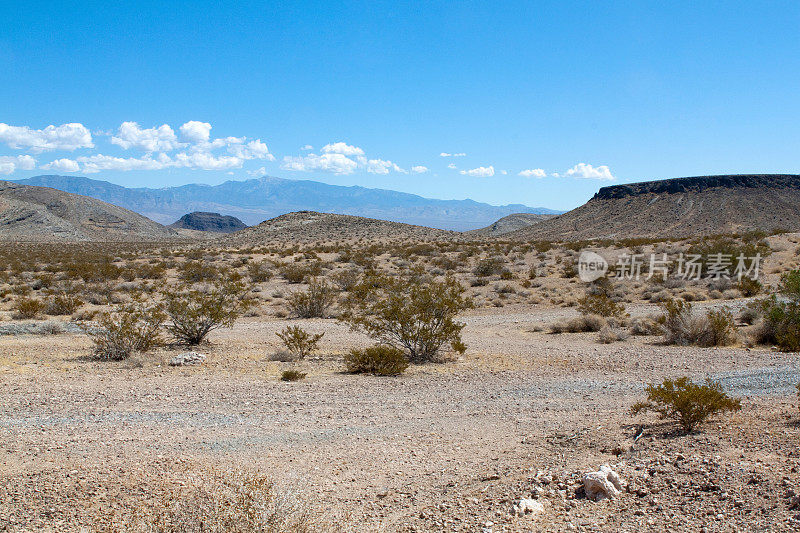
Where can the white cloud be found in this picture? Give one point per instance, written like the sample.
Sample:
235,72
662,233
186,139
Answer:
445,154
419,169
195,131
480,172
205,161
586,171
329,162
10,163
452,166
64,137
96,163
342,148
307,147
258,173
161,139
533,173
380,166
252,150
504,172
62,165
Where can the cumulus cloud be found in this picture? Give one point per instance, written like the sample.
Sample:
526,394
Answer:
452,166
96,163
480,172
533,173
62,165
64,137
342,148
195,131
160,139
587,171
446,154
419,169
206,161
329,162
10,163
251,150
307,147
380,166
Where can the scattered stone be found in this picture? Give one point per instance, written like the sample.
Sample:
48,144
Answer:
187,359
605,483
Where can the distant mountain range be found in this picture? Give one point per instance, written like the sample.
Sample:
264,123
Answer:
255,200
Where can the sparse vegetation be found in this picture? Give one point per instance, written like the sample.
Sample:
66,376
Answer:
685,402
28,307
292,375
314,302
682,327
781,316
130,328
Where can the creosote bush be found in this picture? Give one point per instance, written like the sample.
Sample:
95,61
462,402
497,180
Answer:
410,311
298,341
28,307
292,375
380,360
134,327
781,316
598,301
682,327
195,312
314,302
685,402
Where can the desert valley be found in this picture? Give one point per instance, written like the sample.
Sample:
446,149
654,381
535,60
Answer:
121,411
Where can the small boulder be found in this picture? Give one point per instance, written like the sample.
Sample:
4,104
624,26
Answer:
528,506
187,358
605,483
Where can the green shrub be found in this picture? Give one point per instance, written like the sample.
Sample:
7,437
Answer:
299,342
781,316
380,359
489,267
685,402
134,327
26,307
749,287
721,328
411,312
600,304
292,375
314,302
195,312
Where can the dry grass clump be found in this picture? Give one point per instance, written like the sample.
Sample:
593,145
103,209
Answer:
380,360
646,326
608,335
26,308
292,375
686,402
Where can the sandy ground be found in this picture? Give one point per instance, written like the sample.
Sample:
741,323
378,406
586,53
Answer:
446,447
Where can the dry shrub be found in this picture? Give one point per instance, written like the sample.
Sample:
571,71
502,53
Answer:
780,324
489,267
63,304
380,360
26,307
686,402
314,302
259,272
134,327
213,502
609,335
345,279
683,328
195,312
579,324
299,342
646,326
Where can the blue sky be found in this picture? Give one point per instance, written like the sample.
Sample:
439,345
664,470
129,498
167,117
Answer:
575,93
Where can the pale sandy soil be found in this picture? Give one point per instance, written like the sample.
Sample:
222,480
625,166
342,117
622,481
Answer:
446,447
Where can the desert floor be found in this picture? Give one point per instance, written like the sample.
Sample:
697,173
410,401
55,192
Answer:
446,447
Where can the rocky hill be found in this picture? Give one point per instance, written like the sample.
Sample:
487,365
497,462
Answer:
210,222
255,200
509,223
680,207
310,226
42,214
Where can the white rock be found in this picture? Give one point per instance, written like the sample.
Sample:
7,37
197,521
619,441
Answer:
605,483
187,358
528,506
